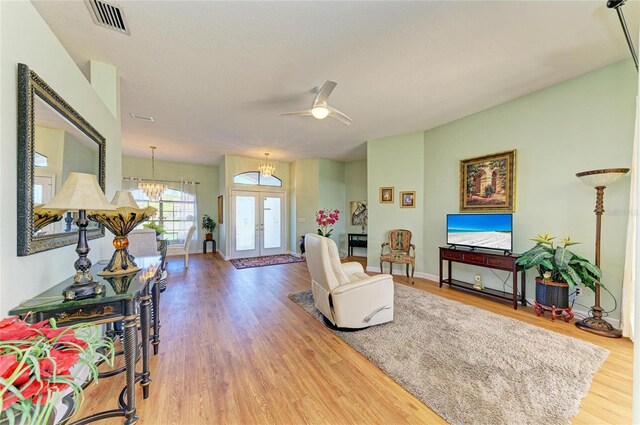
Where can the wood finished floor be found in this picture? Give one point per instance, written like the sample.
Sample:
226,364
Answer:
236,350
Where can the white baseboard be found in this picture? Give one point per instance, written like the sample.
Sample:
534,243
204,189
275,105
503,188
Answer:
224,257
403,273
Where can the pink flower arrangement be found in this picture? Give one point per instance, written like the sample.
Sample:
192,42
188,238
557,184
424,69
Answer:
325,219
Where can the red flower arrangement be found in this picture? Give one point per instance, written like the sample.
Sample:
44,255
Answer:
36,362
326,218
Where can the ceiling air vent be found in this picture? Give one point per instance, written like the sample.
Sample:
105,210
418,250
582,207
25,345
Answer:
108,16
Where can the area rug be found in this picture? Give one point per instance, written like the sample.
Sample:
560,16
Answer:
271,260
472,366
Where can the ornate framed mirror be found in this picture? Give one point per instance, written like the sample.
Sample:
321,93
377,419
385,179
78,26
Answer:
53,140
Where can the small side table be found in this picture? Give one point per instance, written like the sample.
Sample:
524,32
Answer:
204,245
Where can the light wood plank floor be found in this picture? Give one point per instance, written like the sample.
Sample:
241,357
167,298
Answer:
236,350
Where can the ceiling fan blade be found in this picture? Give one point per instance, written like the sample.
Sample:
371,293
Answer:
298,114
325,91
335,114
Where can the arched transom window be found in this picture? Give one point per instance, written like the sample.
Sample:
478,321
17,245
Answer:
254,178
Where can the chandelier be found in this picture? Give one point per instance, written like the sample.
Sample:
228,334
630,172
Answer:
266,169
153,189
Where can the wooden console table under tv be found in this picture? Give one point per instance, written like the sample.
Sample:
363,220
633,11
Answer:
506,262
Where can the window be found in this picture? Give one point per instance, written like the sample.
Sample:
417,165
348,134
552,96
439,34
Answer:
176,212
255,179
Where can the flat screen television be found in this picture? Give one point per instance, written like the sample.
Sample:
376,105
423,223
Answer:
489,231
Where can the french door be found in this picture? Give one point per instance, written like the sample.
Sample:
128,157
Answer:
257,223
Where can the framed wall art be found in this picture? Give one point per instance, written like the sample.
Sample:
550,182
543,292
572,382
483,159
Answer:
386,195
487,183
407,199
220,209
359,213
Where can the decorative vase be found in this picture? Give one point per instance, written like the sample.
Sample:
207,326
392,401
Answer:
208,236
552,294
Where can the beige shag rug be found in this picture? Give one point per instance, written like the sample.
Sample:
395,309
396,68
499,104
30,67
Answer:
475,367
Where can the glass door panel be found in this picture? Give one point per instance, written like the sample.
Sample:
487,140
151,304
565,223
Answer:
272,223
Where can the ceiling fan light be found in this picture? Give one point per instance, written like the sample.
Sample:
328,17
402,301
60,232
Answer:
320,112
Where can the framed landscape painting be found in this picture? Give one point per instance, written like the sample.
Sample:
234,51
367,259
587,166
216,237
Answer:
487,183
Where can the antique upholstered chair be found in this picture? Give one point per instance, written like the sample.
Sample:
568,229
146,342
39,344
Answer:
344,294
399,251
182,248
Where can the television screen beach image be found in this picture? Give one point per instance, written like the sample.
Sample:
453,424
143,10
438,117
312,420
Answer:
480,230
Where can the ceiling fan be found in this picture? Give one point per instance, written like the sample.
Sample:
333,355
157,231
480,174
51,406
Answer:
320,109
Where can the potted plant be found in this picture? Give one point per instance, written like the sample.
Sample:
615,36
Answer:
558,270
326,218
155,226
209,225
36,363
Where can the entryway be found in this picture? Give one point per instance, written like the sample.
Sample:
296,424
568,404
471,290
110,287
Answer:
257,223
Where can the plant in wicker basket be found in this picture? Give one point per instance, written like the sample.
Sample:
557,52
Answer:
559,266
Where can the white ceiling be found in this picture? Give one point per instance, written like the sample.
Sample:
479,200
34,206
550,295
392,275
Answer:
215,75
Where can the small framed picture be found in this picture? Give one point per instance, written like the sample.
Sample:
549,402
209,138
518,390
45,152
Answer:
386,195
220,209
407,199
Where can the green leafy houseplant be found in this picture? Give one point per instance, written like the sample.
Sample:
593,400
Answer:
155,226
209,225
36,362
559,264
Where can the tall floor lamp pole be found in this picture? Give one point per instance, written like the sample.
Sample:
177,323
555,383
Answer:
599,179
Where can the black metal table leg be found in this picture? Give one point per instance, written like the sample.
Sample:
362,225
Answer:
155,339
130,345
145,323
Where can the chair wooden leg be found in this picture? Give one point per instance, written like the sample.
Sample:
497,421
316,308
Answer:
186,261
413,269
407,269
390,267
381,271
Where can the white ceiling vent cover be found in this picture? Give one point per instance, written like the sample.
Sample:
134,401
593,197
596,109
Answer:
108,16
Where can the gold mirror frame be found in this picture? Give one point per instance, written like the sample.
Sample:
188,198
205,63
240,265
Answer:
30,85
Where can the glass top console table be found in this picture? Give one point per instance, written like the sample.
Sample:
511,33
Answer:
118,303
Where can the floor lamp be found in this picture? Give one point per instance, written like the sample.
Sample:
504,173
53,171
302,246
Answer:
599,179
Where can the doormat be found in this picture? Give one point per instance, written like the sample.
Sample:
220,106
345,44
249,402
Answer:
270,260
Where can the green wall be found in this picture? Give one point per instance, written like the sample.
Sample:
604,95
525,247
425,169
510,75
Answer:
307,181
396,161
207,190
331,195
78,156
355,177
582,124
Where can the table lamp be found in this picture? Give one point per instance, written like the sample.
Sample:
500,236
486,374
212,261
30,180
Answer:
599,179
121,222
81,192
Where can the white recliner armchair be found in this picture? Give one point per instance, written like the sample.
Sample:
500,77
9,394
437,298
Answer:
344,294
